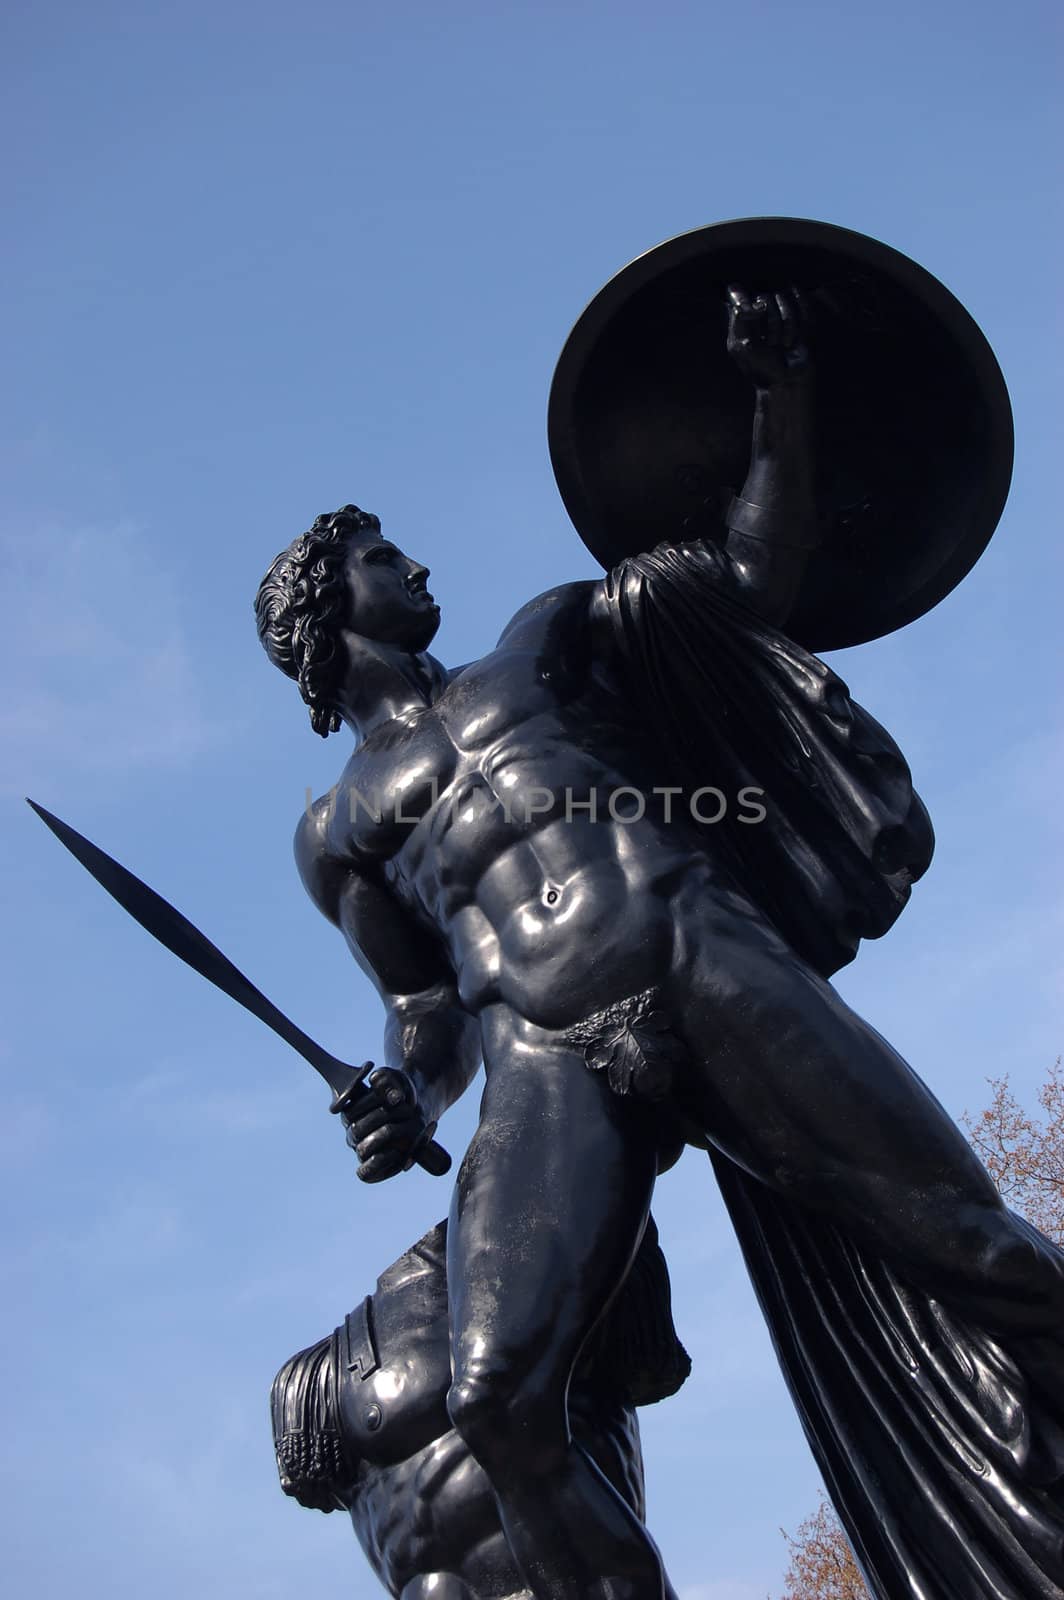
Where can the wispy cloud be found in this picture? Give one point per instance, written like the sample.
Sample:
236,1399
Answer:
186,1494
96,665
126,1235
161,1097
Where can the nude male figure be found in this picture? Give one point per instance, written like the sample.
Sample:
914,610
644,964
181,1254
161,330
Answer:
501,916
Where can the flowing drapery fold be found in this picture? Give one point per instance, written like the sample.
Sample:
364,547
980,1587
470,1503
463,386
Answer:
735,704
942,1449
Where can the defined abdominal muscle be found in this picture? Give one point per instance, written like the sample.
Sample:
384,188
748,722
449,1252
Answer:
555,945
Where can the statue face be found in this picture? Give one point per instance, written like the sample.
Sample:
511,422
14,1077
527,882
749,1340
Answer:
388,600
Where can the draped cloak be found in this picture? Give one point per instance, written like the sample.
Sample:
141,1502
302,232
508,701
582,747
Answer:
942,1447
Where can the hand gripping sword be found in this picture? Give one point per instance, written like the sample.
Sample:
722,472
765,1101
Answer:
166,924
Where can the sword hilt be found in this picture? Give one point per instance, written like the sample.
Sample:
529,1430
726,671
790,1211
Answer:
426,1153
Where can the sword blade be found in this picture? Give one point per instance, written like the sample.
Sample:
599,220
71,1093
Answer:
165,923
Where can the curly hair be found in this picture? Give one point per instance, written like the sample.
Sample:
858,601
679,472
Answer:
299,605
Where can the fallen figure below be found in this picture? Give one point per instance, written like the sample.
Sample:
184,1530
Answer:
360,1424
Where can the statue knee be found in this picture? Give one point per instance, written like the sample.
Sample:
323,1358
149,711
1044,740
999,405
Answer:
1016,1273
505,1423
476,1406
1030,1268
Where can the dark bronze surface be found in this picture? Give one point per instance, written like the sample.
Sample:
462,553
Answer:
360,1423
642,975
654,973
649,431
618,860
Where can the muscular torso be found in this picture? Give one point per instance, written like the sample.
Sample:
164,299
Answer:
475,812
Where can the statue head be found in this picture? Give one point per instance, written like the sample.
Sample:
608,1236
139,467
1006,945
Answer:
338,579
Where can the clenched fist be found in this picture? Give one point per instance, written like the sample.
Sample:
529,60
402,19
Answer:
385,1125
766,336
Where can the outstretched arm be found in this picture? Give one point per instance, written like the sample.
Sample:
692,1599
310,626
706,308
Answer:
431,1044
772,524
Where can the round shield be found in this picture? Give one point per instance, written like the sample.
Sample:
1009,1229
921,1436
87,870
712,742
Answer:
649,422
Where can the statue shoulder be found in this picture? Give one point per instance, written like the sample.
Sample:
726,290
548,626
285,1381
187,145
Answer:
568,604
322,868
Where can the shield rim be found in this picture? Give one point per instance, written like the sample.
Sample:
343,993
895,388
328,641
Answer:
995,465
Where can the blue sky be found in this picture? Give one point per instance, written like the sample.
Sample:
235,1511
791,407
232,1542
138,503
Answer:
264,260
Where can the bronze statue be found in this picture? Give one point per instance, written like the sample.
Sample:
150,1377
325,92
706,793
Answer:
618,858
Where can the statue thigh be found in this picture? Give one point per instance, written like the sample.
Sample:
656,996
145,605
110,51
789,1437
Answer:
804,1094
548,1211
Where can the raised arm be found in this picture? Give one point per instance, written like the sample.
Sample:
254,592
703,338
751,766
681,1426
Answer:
772,523
431,1044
